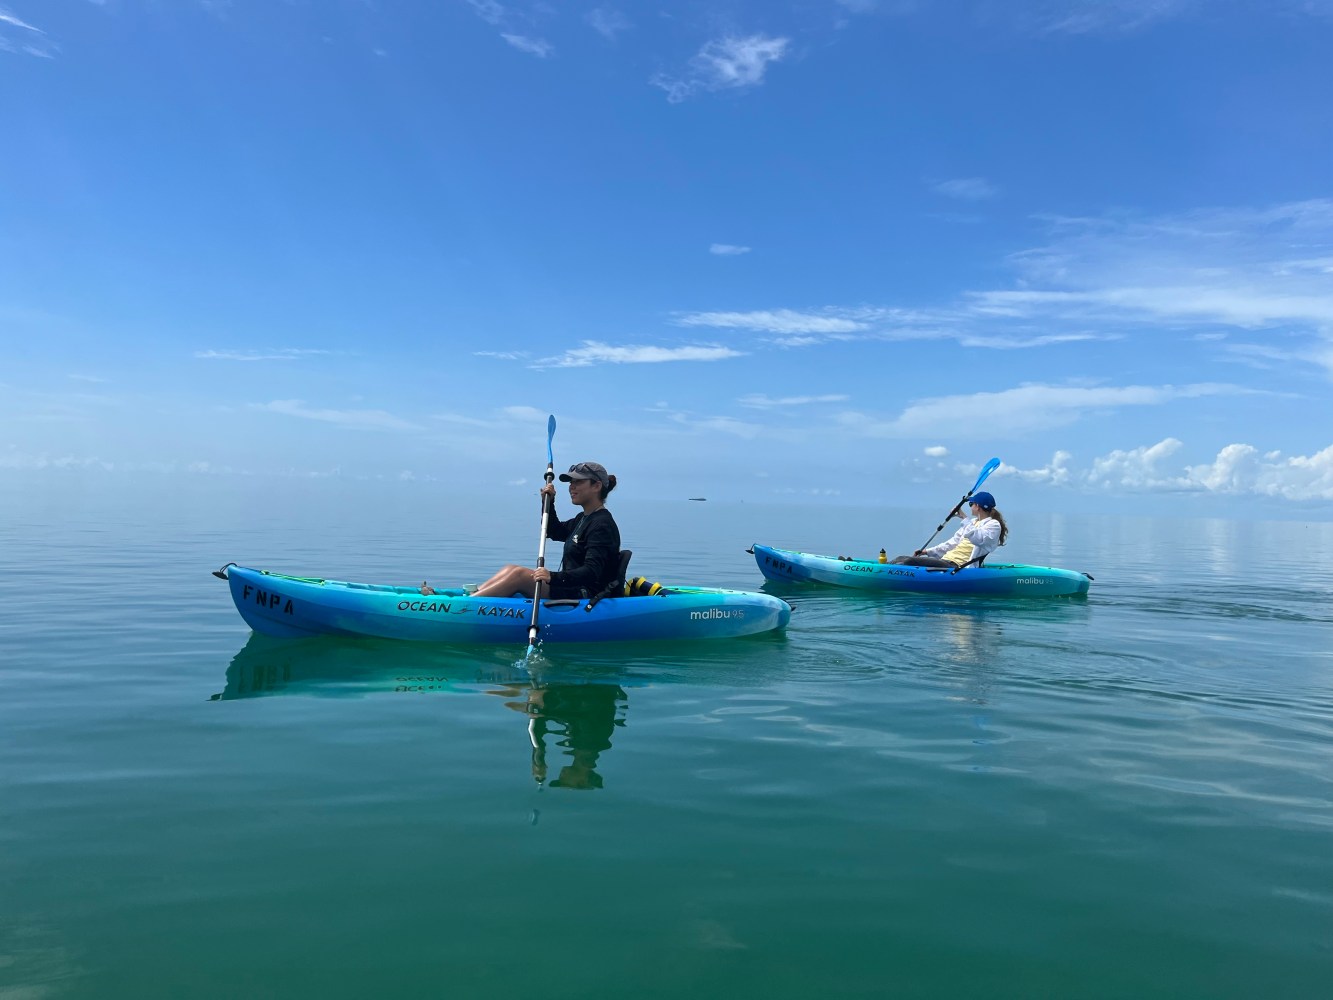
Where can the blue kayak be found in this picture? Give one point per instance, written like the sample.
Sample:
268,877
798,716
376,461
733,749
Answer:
294,606
1005,579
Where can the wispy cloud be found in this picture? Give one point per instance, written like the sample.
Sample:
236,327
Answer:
538,47
1021,410
1063,17
488,10
595,353
792,328
718,425
966,188
279,354
497,14
7,18
785,321
503,417
17,35
935,451
377,420
607,22
728,63
759,401
1245,269
727,250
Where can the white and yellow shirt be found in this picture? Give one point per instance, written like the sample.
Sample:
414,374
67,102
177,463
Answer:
976,539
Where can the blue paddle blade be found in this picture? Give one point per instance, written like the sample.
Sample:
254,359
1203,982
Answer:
986,470
550,436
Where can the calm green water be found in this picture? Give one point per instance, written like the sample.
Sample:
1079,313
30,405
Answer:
1124,796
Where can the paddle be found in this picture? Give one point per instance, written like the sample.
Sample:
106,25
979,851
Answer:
541,544
986,470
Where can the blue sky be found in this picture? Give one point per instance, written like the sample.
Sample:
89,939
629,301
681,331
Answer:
846,249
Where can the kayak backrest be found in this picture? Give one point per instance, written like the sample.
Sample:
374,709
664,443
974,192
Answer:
615,587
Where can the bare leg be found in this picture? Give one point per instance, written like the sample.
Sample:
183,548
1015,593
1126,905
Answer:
509,579
920,561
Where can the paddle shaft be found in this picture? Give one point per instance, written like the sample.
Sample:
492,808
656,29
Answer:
541,542
541,558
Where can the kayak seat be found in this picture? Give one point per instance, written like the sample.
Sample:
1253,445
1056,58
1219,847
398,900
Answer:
617,585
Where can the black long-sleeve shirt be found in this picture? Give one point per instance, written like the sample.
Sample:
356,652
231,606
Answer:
592,551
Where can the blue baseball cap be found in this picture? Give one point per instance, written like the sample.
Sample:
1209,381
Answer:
984,499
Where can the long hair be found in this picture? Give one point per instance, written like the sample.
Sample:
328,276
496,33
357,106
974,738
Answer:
1004,528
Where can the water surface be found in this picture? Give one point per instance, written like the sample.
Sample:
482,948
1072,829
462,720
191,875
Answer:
1127,795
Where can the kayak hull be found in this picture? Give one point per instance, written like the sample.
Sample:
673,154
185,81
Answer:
295,607
1003,580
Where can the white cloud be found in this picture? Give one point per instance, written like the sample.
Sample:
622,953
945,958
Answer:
1056,472
279,354
607,22
357,419
1238,469
759,401
1021,410
727,250
538,47
596,353
936,451
784,321
966,188
725,64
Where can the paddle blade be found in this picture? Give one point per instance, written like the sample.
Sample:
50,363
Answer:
986,470
550,436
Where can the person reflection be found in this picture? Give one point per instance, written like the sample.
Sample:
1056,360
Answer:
581,719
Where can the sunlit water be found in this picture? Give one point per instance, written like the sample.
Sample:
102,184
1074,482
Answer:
1123,796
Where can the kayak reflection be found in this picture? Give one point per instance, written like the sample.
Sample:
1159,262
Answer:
340,668
572,708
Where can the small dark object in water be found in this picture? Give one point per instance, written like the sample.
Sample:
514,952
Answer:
698,498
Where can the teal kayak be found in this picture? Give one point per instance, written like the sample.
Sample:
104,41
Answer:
293,606
1004,579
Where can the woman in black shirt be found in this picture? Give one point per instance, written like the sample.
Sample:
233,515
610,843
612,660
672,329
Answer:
592,543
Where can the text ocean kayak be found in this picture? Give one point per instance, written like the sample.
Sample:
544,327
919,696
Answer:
1006,580
291,607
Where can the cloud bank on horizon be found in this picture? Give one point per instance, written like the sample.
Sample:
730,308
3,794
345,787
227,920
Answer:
494,210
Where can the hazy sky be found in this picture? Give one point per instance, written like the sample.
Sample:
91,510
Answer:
842,248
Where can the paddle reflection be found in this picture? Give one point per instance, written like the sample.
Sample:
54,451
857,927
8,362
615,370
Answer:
572,710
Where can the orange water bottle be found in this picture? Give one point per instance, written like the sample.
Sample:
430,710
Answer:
883,556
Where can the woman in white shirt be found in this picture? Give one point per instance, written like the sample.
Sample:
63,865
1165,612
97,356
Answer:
979,536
